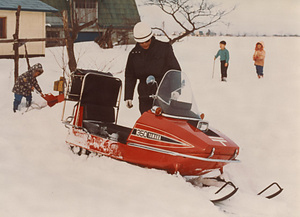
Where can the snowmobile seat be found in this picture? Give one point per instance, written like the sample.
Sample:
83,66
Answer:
99,97
77,79
105,130
99,113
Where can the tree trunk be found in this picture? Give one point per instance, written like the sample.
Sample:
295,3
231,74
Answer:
71,34
72,60
69,43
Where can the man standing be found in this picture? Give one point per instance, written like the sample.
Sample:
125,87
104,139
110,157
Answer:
25,84
148,57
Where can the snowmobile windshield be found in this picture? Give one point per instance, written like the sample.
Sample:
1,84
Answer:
175,97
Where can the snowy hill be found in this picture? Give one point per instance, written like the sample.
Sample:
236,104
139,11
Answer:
41,177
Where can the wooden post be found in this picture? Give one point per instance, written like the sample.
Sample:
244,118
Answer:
16,43
26,56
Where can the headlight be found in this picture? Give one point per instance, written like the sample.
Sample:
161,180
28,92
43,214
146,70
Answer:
202,125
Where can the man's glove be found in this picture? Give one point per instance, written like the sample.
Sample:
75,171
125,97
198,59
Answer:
129,103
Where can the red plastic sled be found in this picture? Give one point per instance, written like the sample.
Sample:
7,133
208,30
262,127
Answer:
52,100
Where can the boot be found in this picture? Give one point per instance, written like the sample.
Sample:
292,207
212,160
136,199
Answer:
15,107
28,104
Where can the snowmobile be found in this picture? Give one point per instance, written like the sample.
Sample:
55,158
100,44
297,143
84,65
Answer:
172,136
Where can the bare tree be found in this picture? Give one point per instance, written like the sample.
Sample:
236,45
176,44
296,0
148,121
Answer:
105,41
71,30
190,15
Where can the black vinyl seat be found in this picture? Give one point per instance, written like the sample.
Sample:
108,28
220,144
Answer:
105,130
98,94
99,113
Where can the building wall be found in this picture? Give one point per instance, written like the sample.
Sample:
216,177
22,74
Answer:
32,25
122,15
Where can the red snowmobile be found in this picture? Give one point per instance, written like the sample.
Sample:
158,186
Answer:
172,136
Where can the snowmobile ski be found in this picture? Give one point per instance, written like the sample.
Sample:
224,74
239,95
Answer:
226,189
227,196
270,196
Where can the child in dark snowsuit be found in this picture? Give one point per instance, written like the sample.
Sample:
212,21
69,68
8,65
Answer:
224,58
25,84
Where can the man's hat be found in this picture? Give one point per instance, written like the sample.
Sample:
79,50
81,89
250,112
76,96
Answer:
142,32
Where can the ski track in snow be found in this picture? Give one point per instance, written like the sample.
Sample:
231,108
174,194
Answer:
41,177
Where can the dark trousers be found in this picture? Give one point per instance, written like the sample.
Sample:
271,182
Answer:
18,99
259,70
224,69
145,103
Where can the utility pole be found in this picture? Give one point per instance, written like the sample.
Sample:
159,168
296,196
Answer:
16,43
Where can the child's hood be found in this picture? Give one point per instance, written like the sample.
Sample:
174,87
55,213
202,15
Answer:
30,72
262,45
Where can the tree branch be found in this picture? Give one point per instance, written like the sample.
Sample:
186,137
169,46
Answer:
189,16
160,29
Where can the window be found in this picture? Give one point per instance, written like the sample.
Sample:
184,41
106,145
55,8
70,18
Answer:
85,3
90,4
2,27
86,10
79,4
53,34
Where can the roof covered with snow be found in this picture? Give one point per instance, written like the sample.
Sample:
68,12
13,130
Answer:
26,5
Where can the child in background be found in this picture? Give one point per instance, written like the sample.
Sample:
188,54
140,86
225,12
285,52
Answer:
259,58
224,58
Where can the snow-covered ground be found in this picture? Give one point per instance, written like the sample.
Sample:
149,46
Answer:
39,176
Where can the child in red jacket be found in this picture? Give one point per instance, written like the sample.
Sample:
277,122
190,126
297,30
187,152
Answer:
259,58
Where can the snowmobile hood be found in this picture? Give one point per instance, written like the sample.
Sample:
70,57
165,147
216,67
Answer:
180,135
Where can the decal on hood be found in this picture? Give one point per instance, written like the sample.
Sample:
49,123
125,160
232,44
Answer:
153,136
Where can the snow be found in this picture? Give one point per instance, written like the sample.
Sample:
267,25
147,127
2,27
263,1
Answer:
40,176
